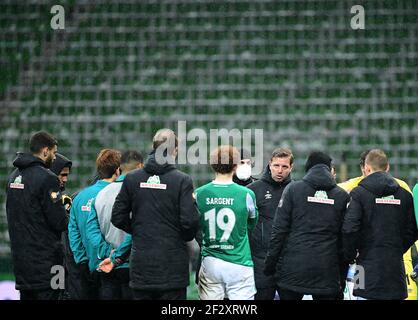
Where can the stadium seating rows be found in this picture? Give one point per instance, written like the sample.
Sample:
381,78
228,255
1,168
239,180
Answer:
122,69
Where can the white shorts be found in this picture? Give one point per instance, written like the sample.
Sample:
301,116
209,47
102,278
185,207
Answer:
219,279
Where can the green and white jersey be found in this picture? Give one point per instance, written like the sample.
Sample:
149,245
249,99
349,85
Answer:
227,211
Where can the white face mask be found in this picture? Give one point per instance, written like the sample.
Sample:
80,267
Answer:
243,172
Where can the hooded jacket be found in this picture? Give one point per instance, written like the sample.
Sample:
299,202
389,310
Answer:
411,284
305,245
380,225
36,218
268,193
164,217
60,163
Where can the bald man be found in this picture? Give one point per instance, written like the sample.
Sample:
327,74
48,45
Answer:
164,218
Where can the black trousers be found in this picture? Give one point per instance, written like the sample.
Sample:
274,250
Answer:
82,284
292,295
174,294
115,285
43,294
265,294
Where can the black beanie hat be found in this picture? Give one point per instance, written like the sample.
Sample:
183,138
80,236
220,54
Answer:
317,157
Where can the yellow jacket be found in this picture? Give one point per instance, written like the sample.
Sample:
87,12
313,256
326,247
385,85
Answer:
407,258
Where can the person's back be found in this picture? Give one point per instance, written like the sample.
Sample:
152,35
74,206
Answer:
380,225
305,241
354,182
104,202
225,212
82,205
164,218
86,242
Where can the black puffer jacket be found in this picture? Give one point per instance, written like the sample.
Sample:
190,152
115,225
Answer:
268,193
36,217
380,224
306,237
164,217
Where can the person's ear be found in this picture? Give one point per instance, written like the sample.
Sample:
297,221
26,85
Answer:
45,152
388,168
367,169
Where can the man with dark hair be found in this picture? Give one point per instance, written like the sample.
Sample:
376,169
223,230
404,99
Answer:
305,246
61,166
36,217
87,244
115,283
268,191
227,211
156,206
378,229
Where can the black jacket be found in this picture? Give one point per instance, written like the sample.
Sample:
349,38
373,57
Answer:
60,163
36,217
57,165
164,217
306,237
268,193
382,233
243,183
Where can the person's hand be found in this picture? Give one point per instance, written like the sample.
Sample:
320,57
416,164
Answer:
67,202
106,265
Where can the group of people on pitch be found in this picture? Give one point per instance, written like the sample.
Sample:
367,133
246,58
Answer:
127,235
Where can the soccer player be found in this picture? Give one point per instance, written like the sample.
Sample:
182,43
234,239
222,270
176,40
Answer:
227,211
90,248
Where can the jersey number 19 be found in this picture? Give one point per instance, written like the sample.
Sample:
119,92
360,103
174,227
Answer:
218,220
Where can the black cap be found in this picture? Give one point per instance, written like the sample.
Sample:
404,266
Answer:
317,157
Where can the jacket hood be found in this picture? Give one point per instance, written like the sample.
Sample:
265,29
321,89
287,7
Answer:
59,163
267,178
380,183
320,177
153,167
25,160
